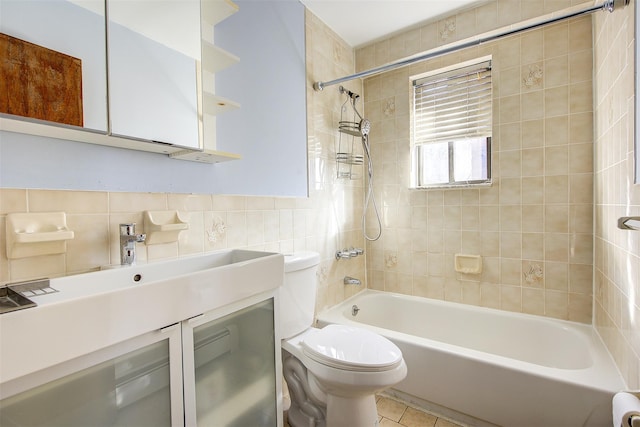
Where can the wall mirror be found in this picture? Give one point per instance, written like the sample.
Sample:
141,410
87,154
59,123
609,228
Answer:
154,54
48,38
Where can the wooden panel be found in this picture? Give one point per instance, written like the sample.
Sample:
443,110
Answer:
39,83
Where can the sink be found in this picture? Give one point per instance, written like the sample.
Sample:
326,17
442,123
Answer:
95,310
126,276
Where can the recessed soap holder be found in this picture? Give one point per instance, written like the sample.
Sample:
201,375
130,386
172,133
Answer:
468,264
34,234
163,226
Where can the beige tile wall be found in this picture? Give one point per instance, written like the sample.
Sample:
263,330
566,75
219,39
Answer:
533,226
324,222
617,252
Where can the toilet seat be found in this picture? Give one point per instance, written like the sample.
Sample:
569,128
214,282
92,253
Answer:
351,349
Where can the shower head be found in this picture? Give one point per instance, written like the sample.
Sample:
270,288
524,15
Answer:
361,128
354,128
365,127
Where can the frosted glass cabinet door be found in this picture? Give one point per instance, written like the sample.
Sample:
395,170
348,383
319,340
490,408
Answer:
234,367
131,389
154,54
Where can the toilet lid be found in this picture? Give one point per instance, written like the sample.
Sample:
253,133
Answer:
351,348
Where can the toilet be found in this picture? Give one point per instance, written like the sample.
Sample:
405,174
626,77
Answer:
333,373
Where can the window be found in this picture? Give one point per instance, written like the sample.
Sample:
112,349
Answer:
451,127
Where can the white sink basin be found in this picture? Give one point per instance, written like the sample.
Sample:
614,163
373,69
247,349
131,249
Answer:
95,310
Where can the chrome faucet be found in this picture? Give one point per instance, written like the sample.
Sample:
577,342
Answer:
348,280
128,240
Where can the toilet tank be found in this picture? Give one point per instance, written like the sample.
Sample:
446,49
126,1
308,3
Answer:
298,293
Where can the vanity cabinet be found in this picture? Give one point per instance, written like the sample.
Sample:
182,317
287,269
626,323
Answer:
215,369
230,368
134,383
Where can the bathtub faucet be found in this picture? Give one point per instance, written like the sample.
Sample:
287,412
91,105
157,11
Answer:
351,281
349,253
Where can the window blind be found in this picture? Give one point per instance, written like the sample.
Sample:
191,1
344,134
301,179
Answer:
453,105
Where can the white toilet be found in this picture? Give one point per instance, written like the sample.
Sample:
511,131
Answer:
332,373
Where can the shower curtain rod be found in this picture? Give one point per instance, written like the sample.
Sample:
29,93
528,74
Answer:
607,5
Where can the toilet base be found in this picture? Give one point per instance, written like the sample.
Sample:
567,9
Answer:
352,411
307,410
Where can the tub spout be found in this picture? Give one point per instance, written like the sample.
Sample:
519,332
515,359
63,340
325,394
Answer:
351,281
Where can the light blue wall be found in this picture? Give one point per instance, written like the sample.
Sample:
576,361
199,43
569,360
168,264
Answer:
270,129
274,153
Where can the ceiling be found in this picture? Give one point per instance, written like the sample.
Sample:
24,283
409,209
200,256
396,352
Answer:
360,22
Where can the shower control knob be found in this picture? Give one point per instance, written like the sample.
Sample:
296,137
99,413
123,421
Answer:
343,254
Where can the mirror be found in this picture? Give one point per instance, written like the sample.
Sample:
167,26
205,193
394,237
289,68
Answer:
51,34
154,52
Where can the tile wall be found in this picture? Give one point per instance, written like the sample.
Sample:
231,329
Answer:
324,222
533,226
617,252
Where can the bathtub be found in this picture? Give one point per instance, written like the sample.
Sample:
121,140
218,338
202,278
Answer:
490,366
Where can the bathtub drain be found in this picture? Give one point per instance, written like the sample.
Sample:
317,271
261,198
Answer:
354,310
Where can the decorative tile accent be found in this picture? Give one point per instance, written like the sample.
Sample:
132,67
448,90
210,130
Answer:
389,108
322,274
534,77
218,229
449,28
391,260
534,275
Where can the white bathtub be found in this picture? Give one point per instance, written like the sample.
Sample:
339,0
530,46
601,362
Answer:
491,366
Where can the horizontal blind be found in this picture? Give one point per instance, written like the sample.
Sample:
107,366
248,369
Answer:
453,105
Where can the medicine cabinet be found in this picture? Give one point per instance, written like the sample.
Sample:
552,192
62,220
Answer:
159,57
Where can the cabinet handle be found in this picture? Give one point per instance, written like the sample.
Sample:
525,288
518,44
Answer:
195,318
168,328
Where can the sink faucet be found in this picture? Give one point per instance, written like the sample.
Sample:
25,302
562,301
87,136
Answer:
128,240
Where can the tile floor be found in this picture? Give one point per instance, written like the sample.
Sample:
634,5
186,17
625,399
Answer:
395,413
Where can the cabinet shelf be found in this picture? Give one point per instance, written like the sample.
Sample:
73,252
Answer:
205,156
215,105
215,59
214,11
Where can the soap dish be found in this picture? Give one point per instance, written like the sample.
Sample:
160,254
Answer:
468,264
34,234
163,226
